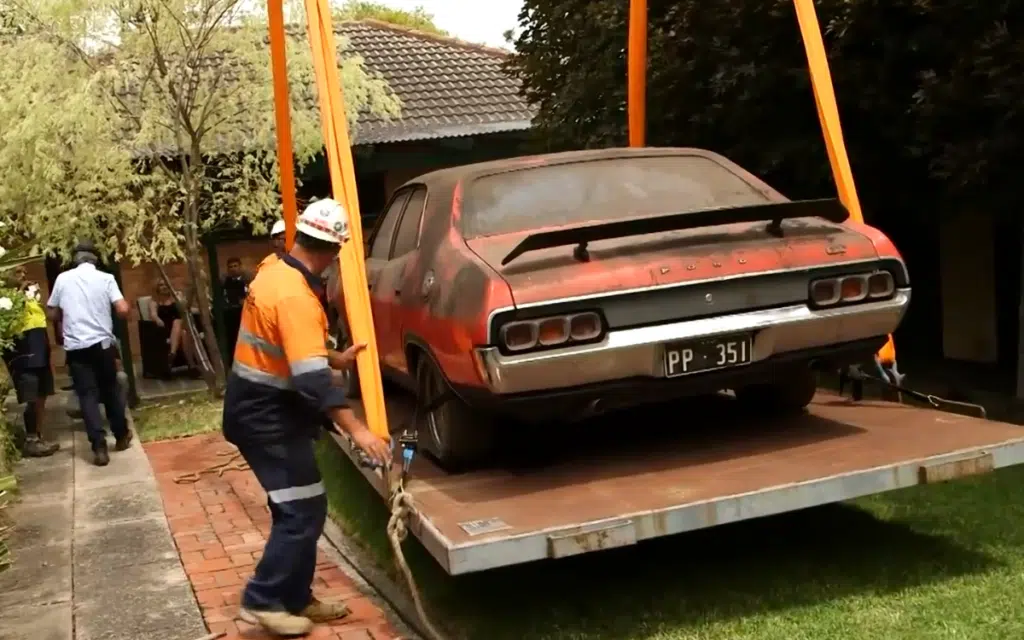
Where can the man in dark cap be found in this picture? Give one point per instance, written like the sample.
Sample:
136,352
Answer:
82,301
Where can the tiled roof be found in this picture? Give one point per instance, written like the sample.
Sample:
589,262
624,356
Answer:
448,88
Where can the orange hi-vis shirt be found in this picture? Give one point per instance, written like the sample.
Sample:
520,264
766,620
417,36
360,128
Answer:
266,262
280,385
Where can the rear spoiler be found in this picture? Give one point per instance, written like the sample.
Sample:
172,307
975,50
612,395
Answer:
774,213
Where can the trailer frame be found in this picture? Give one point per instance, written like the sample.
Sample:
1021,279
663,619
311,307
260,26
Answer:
487,547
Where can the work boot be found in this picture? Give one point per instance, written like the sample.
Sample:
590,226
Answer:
100,457
36,447
125,441
318,611
280,623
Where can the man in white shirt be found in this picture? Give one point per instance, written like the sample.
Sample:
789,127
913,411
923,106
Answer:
81,302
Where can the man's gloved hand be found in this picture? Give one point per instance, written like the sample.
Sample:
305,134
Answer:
375,448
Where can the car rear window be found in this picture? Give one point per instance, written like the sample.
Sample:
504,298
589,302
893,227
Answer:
599,191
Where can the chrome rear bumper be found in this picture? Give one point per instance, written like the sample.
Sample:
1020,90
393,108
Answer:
632,353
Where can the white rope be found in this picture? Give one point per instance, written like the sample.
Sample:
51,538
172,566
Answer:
398,530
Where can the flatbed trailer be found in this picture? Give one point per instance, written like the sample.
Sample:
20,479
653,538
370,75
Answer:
708,466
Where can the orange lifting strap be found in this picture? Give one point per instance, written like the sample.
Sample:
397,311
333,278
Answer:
636,73
343,183
824,98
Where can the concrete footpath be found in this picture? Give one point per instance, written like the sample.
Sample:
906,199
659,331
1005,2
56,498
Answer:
93,553
123,553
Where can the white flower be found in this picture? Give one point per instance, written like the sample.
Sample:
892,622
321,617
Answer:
2,252
6,304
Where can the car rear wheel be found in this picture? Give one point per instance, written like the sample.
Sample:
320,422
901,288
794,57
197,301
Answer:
453,434
789,393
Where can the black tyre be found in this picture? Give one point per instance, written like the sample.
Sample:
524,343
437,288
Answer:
453,434
788,393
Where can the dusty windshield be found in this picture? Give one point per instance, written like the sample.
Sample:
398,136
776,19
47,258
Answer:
599,191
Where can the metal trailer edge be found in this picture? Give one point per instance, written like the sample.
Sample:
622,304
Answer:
496,550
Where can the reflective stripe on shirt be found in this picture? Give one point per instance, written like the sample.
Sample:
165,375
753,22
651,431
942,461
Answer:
280,381
35,316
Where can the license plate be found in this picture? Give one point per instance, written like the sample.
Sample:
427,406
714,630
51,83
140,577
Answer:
693,356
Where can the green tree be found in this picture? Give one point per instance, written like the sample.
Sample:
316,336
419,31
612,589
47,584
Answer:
929,93
728,76
417,19
148,124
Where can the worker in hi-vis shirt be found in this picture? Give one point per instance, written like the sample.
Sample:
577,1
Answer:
277,243
278,394
277,238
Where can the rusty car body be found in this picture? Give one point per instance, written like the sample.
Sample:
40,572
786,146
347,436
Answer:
553,287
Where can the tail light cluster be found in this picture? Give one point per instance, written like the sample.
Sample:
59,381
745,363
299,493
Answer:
852,288
523,335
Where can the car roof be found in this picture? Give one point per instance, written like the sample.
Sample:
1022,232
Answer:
453,175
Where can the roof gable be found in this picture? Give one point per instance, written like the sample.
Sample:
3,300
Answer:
448,88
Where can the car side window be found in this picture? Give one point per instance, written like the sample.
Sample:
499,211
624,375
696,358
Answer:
386,231
409,228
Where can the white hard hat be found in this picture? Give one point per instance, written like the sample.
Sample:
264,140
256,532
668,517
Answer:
325,220
277,229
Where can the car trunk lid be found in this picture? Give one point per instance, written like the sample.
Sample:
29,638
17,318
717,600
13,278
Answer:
668,257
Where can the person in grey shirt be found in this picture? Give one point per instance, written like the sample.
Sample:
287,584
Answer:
82,302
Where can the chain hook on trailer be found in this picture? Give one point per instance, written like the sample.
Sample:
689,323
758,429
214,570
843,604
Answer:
893,379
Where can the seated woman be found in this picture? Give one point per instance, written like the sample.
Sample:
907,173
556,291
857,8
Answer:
163,309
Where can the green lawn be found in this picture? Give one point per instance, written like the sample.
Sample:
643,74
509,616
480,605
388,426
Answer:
178,418
942,561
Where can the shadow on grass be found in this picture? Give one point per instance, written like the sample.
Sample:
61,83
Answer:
673,587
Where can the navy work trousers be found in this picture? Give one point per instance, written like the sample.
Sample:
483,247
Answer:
94,376
298,507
